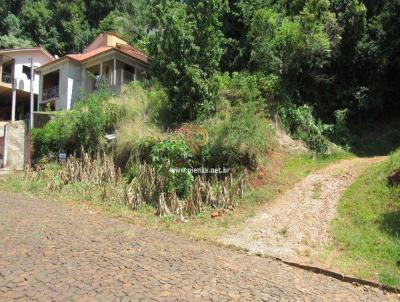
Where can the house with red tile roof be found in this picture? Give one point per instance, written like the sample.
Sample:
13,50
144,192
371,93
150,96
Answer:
108,60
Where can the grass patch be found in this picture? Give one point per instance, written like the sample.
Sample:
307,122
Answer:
301,165
367,229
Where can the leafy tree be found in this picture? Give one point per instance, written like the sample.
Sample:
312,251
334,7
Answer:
37,20
297,48
73,26
109,23
64,27
8,7
134,19
378,59
129,20
330,54
14,36
186,48
97,10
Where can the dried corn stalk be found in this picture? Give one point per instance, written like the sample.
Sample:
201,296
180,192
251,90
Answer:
101,173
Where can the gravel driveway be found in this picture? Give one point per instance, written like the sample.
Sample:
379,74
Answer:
296,224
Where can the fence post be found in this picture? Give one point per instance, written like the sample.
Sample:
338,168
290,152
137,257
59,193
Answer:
14,99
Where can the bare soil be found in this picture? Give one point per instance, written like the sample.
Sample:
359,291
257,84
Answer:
289,144
296,225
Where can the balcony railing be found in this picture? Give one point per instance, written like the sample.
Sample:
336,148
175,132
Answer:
6,78
50,93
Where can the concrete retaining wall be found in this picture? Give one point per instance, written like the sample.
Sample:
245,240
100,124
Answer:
15,145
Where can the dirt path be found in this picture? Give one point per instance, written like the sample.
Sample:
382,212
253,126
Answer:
295,226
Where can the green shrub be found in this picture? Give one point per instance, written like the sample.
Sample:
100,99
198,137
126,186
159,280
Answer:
237,137
169,155
145,101
84,126
339,133
301,124
240,88
245,87
159,106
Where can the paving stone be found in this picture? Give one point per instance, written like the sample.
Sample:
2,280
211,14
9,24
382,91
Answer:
56,252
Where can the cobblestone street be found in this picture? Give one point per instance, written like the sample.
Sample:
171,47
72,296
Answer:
52,251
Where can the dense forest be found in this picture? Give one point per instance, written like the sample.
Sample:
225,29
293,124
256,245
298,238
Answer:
341,57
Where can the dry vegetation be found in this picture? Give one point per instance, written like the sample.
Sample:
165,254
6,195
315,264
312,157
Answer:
100,174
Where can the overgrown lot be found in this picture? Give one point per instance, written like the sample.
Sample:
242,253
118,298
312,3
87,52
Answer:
154,161
149,170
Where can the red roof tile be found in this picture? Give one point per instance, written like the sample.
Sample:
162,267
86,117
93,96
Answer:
88,55
133,52
126,49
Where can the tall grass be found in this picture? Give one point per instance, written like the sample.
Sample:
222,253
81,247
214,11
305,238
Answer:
368,225
136,128
238,136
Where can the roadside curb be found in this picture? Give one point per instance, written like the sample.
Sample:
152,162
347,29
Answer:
336,275
317,270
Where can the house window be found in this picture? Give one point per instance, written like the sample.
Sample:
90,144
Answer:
7,75
27,71
129,73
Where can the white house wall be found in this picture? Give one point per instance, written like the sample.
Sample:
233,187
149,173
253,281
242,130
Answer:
62,101
21,59
74,84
